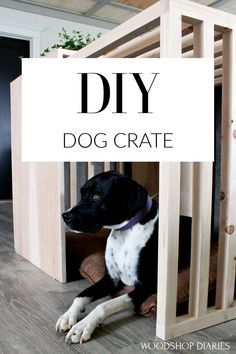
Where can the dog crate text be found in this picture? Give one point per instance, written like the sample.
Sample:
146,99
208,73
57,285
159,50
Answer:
120,140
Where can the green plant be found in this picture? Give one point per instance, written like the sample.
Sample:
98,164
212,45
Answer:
74,41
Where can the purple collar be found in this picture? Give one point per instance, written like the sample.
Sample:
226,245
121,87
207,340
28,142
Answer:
137,217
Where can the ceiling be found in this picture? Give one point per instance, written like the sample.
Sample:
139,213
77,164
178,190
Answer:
115,11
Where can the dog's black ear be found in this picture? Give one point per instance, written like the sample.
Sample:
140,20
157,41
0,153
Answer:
132,196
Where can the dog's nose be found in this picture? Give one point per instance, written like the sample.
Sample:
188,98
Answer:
66,217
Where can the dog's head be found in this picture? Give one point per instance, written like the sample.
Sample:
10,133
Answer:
107,199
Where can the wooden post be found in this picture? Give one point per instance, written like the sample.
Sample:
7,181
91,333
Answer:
169,202
169,195
202,198
227,240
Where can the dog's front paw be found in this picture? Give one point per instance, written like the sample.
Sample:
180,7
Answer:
66,321
70,317
81,332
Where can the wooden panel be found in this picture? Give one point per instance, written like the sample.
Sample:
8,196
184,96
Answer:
37,198
147,174
227,241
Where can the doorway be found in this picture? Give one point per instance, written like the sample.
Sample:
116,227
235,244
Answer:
11,50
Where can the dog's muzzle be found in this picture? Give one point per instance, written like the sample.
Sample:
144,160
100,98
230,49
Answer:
67,217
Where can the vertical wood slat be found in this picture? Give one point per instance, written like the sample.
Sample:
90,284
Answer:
227,238
90,170
201,235
186,188
120,167
169,195
169,210
202,199
203,42
106,166
73,184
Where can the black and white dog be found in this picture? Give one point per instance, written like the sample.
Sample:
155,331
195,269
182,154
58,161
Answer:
114,201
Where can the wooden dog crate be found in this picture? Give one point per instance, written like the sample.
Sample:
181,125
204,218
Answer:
168,29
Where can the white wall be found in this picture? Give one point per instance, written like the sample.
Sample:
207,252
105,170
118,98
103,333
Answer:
14,23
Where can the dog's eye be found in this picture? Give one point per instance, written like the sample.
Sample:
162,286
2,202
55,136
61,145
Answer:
96,197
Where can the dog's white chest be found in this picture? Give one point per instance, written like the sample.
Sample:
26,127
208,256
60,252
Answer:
123,250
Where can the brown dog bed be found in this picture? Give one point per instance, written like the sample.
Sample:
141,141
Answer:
92,268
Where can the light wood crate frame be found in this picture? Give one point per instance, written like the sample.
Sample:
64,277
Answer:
168,29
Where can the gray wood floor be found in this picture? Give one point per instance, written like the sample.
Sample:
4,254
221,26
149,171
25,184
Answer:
31,301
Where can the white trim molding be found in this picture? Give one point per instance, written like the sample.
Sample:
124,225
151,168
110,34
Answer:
21,30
